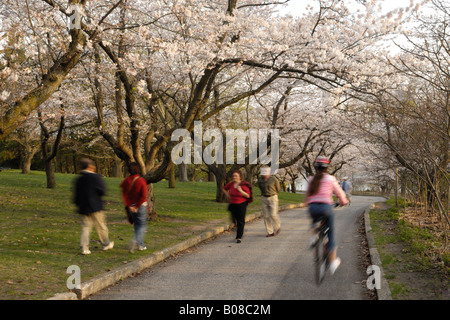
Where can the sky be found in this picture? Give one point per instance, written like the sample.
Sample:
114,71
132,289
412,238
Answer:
296,7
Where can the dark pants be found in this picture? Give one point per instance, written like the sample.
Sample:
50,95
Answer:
238,217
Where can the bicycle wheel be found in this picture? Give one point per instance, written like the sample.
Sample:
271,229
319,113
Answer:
320,261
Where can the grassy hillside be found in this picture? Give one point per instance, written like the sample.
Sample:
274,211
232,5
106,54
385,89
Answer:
40,229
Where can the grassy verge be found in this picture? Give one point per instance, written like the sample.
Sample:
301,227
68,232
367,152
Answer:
414,266
39,229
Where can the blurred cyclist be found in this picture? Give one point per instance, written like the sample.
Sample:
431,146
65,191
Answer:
319,198
347,187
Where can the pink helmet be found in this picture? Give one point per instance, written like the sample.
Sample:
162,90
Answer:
322,162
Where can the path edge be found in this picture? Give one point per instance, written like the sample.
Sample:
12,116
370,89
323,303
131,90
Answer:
112,277
383,292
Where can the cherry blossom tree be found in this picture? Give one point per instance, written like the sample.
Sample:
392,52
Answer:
408,113
41,34
153,67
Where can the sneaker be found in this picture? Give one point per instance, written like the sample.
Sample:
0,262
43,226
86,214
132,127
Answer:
108,246
85,252
334,265
133,246
142,248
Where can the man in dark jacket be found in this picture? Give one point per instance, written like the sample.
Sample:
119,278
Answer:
89,189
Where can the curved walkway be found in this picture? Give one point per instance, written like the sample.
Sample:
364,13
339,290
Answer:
259,268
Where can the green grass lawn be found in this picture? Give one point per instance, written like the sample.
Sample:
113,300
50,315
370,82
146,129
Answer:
40,229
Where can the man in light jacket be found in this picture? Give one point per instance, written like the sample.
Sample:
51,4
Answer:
270,187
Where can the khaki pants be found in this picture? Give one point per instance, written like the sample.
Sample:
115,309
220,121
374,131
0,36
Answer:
270,213
97,220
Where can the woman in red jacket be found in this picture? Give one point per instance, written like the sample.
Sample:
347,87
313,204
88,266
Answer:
134,195
238,191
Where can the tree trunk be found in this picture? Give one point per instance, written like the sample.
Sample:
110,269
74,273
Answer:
182,168
27,156
117,168
220,171
50,173
74,159
172,178
26,164
220,195
151,214
211,176
49,156
293,187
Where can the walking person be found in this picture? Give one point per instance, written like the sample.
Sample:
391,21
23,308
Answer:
347,187
270,187
319,198
134,196
238,191
89,189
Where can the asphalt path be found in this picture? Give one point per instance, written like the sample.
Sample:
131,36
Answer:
259,268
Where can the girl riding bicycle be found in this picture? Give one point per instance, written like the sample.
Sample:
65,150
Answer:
319,198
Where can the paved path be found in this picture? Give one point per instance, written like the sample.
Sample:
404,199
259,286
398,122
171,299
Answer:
259,268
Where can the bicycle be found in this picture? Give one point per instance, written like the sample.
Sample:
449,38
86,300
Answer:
321,262
320,251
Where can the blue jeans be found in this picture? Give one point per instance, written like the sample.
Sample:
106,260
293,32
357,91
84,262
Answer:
140,225
319,210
